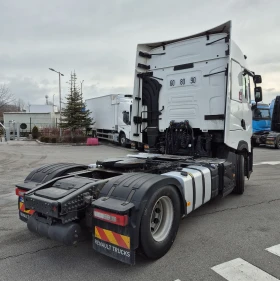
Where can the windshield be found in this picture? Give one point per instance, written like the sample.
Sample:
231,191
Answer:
261,113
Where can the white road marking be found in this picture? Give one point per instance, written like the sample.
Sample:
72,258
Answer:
240,270
274,250
267,163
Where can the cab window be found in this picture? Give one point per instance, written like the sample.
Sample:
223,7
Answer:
126,117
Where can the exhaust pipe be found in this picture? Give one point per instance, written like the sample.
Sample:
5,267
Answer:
67,234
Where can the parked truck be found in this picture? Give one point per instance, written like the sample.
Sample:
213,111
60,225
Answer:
266,124
191,107
111,117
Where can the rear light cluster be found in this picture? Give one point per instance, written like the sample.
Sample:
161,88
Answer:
117,219
20,192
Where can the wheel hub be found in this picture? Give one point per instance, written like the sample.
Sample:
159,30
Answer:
161,218
122,140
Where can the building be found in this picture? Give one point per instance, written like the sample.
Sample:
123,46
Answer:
44,108
42,116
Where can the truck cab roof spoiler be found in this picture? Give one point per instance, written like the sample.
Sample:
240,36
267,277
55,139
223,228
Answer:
223,28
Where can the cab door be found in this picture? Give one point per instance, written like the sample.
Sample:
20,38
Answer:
238,123
247,109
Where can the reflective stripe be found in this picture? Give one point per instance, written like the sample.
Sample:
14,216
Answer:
112,237
126,240
22,209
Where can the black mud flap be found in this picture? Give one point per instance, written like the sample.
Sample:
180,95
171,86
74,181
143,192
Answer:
113,251
49,172
227,178
110,239
40,176
23,216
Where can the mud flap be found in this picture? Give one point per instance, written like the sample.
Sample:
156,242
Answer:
111,239
112,250
228,178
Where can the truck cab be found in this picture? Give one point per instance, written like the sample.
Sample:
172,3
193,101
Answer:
111,116
266,121
261,118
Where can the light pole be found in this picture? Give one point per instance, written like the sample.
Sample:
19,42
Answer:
59,74
82,87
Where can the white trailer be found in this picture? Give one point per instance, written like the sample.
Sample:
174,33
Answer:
111,117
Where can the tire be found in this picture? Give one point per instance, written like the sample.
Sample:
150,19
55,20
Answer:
255,144
277,144
239,175
156,238
122,139
140,147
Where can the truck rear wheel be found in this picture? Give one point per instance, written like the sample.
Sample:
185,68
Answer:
122,139
160,222
239,175
277,144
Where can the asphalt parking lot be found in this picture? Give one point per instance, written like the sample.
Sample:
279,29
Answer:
236,227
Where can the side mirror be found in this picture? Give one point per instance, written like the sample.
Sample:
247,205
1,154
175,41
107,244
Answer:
257,79
258,94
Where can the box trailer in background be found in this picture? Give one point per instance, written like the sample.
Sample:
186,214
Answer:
111,117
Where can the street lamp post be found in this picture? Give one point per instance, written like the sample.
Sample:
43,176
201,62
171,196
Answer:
59,74
82,87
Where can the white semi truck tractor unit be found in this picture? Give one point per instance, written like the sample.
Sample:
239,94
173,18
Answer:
111,117
191,107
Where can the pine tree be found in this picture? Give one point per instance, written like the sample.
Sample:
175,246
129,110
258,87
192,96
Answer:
75,116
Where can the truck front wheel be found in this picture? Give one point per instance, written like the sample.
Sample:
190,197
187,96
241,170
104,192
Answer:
239,175
255,144
122,139
160,222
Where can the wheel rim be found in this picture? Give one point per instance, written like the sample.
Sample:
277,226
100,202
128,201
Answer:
161,218
122,140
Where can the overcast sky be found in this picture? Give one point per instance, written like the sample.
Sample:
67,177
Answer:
98,40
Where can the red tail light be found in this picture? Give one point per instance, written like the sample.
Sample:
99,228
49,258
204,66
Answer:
20,192
121,220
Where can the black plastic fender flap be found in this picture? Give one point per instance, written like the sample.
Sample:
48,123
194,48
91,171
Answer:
110,239
49,172
128,194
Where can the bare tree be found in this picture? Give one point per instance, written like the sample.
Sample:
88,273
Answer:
6,97
19,104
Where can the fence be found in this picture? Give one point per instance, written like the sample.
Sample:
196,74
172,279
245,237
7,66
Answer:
45,129
28,120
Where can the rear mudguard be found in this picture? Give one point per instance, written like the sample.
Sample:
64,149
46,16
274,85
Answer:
49,172
40,176
133,191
